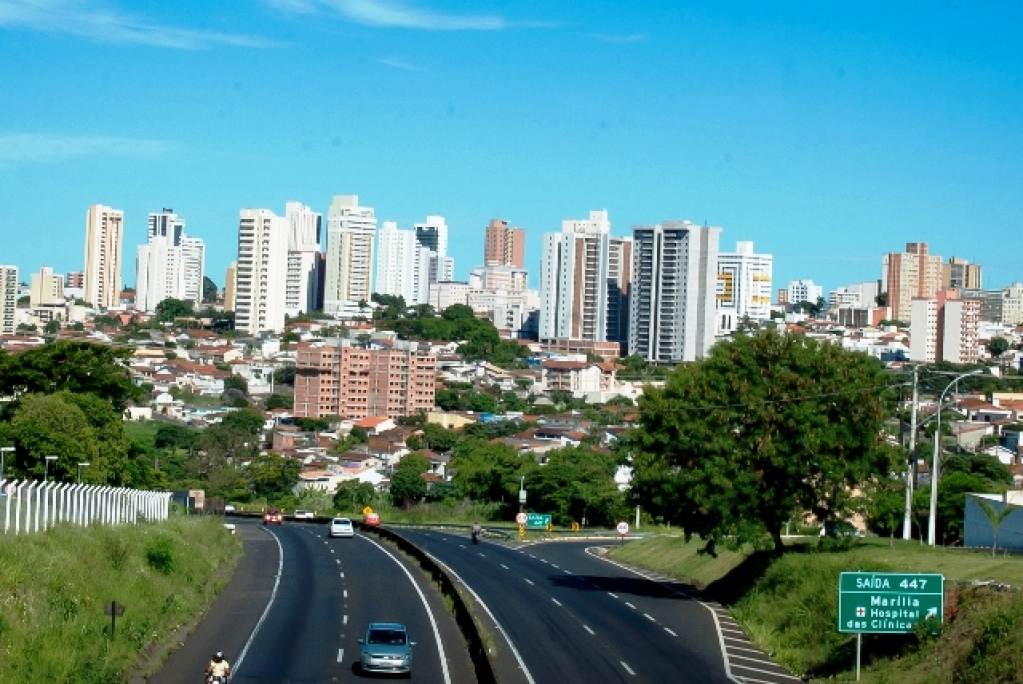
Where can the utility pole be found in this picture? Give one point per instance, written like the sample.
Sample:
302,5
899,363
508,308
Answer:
907,522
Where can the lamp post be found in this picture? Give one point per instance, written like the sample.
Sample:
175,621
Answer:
80,466
522,494
46,472
932,521
3,452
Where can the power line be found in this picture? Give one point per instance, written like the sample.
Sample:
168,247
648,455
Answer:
789,400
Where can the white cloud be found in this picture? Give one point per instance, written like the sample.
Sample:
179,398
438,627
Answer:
395,13
78,18
620,39
45,148
400,64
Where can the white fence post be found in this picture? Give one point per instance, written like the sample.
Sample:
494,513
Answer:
7,486
17,511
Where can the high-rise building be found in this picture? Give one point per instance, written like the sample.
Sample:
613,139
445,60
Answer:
339,378
104,236
573,280
671,302
944,328
171,265
230,286
396,260
619,279
804,291
504,246
960,274
856,296
744,287
431,261
350,234
1012,304
262,271
193,253
74,279
907,275
303,279
46,289
10,290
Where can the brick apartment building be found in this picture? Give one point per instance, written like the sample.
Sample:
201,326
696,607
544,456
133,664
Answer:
340,378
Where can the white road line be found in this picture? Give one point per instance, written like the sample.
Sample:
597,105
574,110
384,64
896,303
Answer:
340,654
266,611
555,566
332,550
461,546
528,580
612,595
531,555
627,668
556,601
670,632
344,619
429,612
767,672
586,627
649,617
338,561
568,572
630,605
505,566
342,575
483,555
485,607
345,593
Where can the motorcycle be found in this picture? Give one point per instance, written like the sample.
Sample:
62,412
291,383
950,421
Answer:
215,679
475,537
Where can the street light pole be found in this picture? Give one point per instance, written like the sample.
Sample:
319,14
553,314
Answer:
80,466
907,522
932,523
46,471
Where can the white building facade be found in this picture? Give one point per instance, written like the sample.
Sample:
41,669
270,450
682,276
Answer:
804,291
396,259
171,265
104,238
672,300
262,271
302,285
351,232
10,290
743,287
573,280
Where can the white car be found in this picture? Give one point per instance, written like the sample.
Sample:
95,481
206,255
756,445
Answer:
228,508
302,514
341,527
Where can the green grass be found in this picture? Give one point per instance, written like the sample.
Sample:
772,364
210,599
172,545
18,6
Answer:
141,431
54,585
788,605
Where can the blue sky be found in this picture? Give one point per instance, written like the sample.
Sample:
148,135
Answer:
827,133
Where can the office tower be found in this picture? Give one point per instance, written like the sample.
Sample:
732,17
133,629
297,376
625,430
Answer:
339,378
909,274
743,287
804,291
46,289
960,274
303,279
619,278
673,291
9,292
262,271
171,265
396,261
504,246
350,233
104,235
573,280
944,328
230,286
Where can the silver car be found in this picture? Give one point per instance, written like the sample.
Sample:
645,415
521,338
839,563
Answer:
386,648
341,527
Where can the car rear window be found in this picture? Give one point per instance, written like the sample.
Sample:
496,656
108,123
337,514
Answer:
340,521
393,637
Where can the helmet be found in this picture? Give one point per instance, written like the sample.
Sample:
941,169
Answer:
218,655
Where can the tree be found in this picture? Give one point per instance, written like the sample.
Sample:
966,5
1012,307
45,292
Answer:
246,421
209,290
767,425
275,401
439,438
285,375
171,436
577,483
170,308
882,299
885,505
272,476
997,346
236,382
996,518
353,495
407,483
489,472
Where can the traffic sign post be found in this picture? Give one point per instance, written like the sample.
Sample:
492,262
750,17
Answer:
538,521
521,518
887,603
622,528
522,532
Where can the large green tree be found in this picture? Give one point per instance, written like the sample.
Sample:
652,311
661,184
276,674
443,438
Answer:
170,308
766,426
577,483
489,471
407,483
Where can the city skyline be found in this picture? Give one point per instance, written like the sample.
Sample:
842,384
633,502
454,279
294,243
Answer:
828,136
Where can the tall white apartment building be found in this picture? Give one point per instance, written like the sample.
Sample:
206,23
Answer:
171,265
46,289
573,280
923,326
302,288
743,287
396,261
804,291
351,230
672,300
1012,304
945,328
431,261
104,236
262,271
9,291
619,280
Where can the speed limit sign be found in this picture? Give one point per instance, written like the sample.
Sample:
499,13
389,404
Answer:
521,518
623,528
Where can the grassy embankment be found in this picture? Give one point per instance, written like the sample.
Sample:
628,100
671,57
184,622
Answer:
54,586
788,604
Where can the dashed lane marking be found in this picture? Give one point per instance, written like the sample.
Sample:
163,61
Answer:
587,628
627,668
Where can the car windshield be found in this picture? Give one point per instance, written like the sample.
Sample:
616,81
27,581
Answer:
394,637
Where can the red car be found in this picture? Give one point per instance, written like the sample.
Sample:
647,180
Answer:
272,515
372,519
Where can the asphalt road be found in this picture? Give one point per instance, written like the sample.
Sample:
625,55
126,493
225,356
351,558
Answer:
575,618
328,591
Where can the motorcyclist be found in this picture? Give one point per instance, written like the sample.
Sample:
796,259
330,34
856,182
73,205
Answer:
218,667
476,529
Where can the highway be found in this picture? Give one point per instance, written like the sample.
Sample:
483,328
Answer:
303,627
573,617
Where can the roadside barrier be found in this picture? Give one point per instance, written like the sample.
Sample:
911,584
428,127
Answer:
463,616
29,506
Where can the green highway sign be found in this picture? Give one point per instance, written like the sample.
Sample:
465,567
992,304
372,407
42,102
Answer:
538,520
888,602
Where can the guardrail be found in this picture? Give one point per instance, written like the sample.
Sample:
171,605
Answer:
30,506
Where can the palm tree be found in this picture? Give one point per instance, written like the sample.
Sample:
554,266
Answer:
996,518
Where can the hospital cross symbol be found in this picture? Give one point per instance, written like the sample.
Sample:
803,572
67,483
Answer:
861,611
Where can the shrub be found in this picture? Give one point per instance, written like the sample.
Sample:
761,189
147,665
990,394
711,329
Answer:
160,556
